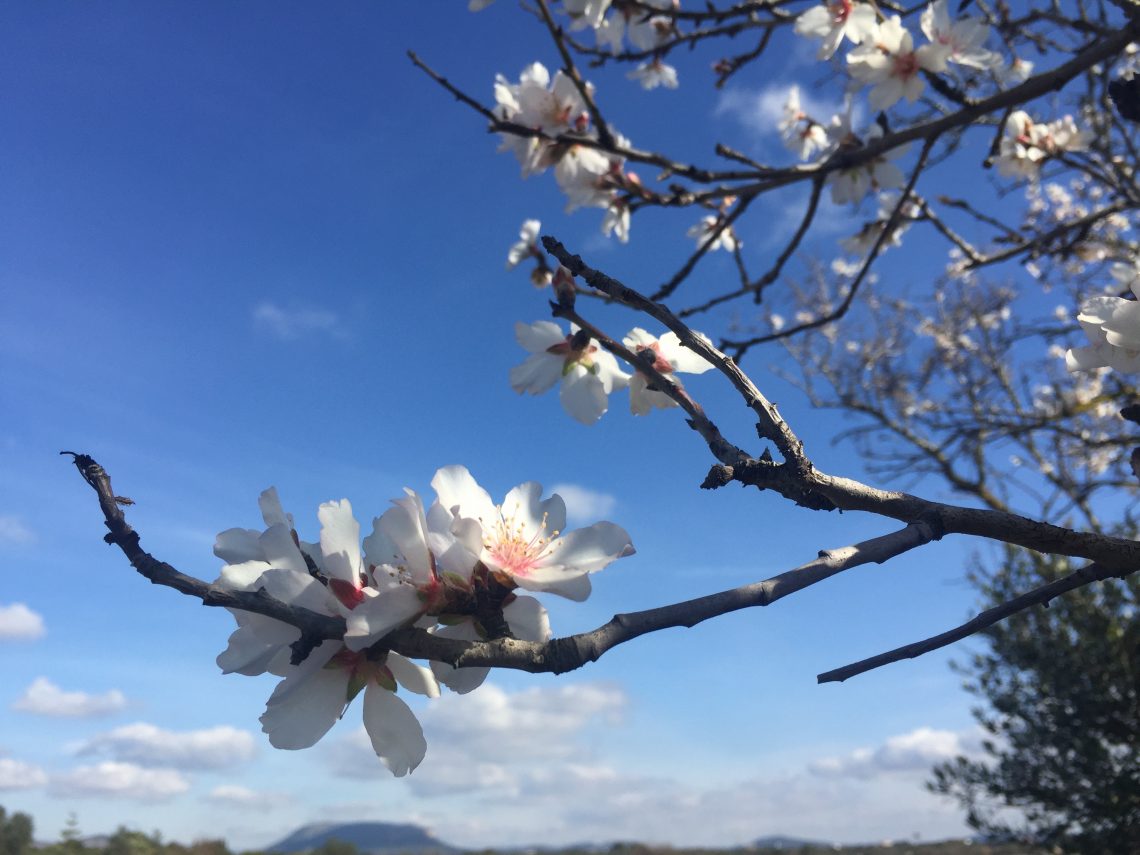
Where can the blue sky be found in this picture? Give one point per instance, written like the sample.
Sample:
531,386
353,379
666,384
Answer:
249,244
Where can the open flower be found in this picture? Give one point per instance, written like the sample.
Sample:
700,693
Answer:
524,539
587,372
553,107
328,578
802,134
1026,144
668,356
526,246
962,39
878,173
1112,325
887,60
703,232
834,20
654,73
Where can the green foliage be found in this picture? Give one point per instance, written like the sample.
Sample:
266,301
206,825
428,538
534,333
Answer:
15,833
1061,688
335,847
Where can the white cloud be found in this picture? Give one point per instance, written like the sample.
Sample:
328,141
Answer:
120,780
584,505
18,775
14,530
917,751
43,697
147,745
489,740
232,795
762,110
293,323
18,621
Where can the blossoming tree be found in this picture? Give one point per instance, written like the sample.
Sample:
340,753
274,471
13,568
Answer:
961,378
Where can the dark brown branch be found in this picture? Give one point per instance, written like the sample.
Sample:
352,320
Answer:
1038,596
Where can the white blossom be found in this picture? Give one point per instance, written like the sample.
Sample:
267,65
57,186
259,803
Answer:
834,20
888,61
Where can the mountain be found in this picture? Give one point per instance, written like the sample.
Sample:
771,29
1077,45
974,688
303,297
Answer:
378,838
781,843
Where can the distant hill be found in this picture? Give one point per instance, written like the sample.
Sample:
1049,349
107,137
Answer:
377,838
779,843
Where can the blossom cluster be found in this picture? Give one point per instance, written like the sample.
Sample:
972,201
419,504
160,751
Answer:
1112,325
588,373
452,569
1026,143
563,138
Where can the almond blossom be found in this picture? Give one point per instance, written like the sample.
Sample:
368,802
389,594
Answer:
1026,144
588,373
855,182
524,539
551,107
802,134
963,39
653,74
703,233
834,20
328,578
527,245
888,61
668,356
1112,325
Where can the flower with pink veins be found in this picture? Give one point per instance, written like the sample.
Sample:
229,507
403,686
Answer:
668,356
314,695
587,372
315,692
962,39
834,20
888,61
524,542
552,107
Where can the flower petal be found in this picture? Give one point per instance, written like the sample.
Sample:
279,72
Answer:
271,510
397,737
528,619
379,613
340,542
307,702
588,550
413,677
583,395
459,680
237,545
458,490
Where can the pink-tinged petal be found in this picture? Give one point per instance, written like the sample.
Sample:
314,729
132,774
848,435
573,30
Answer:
588,550
539,336
397,737
537,374
523,511
528,619
459,493
582,395
459,680
280,550
413,677
340,542
307,702
271,510
379,613
681,357
237,545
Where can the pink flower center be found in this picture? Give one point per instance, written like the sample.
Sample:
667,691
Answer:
512,550
906,65
839,10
